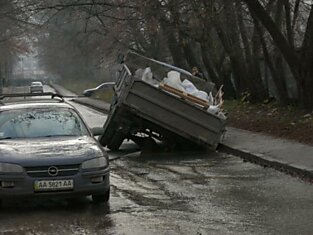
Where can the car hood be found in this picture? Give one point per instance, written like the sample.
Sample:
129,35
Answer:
53,150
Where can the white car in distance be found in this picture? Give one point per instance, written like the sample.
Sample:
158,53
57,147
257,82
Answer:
36,87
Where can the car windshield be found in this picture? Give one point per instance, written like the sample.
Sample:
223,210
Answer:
41,122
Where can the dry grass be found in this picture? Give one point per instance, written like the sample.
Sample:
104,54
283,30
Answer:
285,122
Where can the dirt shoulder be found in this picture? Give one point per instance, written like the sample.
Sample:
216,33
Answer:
284,122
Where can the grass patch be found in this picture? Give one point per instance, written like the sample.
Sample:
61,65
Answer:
286,122
78,86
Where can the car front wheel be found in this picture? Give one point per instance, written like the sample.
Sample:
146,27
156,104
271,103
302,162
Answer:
101,198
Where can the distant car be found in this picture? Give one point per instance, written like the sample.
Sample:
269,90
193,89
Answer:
48,150
36,87
103,86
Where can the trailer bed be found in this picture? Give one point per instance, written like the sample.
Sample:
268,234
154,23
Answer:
159,112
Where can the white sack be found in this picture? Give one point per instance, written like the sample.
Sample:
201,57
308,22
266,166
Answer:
189,87
147,76
202,95
214,109
192,90
173,80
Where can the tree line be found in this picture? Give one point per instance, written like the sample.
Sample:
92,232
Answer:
259,48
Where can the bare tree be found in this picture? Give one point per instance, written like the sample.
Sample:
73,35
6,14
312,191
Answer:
221,37
299,58
12,28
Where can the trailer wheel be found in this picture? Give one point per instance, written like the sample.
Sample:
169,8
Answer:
109,135
116,141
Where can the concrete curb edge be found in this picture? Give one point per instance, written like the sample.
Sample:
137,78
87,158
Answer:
282,167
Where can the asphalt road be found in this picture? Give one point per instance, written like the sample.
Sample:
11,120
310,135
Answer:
181,193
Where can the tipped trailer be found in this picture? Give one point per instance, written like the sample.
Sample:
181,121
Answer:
156,111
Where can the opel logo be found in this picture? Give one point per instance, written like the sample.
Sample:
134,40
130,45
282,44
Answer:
53,171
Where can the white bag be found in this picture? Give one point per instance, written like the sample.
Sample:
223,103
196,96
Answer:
192,90
202,95
173,80
189,87
147,76
214,109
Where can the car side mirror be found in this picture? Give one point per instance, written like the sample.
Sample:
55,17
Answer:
96,131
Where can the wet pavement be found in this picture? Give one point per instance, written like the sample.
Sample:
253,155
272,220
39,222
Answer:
186,194
181,193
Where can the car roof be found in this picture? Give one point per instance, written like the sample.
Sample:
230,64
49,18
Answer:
109,84
30,104
29,101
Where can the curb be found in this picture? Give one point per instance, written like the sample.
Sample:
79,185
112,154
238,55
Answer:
282,167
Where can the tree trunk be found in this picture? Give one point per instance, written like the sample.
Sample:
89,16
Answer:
252,57
209,64
305,81
1,79
281,42
173,45
228,34
279,81
188,49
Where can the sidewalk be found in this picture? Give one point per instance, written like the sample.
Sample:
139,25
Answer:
284,155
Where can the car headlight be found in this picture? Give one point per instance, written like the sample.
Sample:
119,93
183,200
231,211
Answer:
10,168
95,163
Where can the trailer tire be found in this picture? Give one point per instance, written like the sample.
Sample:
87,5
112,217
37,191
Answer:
116,141
108,136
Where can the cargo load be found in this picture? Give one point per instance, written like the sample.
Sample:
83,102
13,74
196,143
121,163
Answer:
160,102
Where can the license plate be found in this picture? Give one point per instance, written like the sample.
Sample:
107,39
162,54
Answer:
52,185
